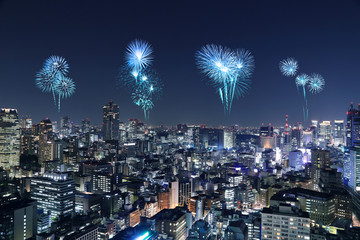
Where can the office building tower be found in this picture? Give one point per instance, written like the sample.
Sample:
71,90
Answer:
320,206
58,150
229,139
101,182
267,137
54,193
353,168
320,159
65,126
46,142
174,193
172,222
229,197
85,125
110,121
324,131
285,222
18,220
9,138
295,160
352,127
339,132
164,200
184,192
307,137
197,206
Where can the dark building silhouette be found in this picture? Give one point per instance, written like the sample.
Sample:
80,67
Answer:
110,123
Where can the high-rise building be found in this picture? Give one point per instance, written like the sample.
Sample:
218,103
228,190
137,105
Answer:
354,168
229,139
352,127
339,132
18,220
325,131
295,160
285,222
9,138
174,193
110,123
54,193
46,142
320,159
184,192
65,126
85,125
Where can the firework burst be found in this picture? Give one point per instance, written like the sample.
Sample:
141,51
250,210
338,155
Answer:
65,87
137,76
316,83
55,65
52,78
288,67
138,55
229,71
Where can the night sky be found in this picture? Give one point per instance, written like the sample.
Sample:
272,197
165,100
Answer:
324,36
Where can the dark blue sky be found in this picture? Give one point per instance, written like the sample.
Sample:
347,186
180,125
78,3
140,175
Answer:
92,35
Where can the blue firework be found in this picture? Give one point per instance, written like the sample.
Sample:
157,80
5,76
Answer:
217,62
138,55
302,79
316,83
147,90
288,67
44,81
228,70
56,65
244,63
65,87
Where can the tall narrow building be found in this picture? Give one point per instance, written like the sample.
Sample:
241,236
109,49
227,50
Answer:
352,127
9,138
110,123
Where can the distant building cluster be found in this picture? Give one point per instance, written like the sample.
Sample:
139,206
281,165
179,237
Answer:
129,180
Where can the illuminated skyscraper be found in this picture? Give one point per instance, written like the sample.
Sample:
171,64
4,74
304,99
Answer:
339,132
229,139
54,193
352,127
46,142
110,124
9,138
325,131
65,126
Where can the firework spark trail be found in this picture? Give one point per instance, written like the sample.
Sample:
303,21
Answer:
229,71
301,81
64,87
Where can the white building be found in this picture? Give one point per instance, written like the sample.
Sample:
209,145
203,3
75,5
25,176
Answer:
284,222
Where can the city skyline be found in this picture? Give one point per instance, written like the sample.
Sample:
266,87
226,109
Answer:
93,38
